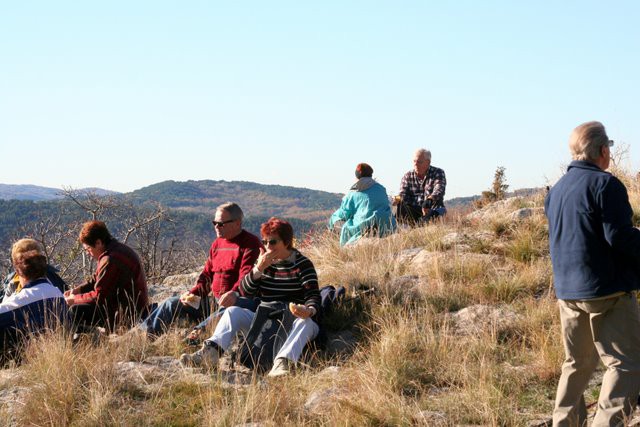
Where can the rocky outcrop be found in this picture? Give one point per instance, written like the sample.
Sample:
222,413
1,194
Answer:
524,213
504,208
12,395
478,318
172,286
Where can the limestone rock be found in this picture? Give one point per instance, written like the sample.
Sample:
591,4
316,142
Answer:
330,371
154,372
523,213
476,318
453,238
172,286
425,257
320,402
408,254
12,395
501,208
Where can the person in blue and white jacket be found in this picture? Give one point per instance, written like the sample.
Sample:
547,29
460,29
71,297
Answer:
38,305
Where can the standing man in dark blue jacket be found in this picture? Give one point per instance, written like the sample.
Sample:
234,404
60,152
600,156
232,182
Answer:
595,251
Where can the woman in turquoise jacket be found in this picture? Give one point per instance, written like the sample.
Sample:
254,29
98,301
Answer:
365,209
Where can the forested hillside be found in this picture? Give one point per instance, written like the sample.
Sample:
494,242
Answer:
255,199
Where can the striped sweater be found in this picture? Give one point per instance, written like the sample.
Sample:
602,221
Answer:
288,281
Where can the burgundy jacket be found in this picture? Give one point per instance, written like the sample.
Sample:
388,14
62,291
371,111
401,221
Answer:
119,282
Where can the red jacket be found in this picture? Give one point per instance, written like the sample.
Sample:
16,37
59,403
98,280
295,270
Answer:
228,262
119,281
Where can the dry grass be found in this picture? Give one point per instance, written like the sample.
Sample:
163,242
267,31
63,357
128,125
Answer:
412,366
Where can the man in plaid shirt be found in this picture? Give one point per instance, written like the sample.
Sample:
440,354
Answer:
421,191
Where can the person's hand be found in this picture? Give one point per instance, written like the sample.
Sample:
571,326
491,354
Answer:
301,311
396,200
194,335
186,297
70,298
67,293
265,259
425,211
228,299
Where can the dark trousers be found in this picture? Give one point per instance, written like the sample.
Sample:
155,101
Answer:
412,215
87,316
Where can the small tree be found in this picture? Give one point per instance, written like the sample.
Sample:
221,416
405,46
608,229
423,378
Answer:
498,189
499,184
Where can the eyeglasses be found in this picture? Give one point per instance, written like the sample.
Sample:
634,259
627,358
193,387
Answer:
221,223
270,242
609,143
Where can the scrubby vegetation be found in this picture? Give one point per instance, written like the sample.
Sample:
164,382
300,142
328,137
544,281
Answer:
417,360
413,363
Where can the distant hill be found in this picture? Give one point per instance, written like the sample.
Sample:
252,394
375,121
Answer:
37,193
191,205
255,199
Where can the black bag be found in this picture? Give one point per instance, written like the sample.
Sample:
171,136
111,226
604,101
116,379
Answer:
330,296
267,333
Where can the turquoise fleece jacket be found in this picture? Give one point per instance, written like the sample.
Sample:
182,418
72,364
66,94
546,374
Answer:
365,207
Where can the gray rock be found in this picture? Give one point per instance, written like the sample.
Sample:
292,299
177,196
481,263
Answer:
172,286
408,254
153,373
330,371
476,318
425,257
11,401
523,213
12,395
185,281
321,401
501,208
454,238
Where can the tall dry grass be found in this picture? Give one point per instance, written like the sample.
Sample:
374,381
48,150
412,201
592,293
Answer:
412,365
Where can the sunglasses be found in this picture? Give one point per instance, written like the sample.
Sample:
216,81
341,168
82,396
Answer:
270,242
221,223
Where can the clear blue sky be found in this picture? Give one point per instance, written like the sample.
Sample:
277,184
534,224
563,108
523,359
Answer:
124,94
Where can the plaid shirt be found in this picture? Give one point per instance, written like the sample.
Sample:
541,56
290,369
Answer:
415,191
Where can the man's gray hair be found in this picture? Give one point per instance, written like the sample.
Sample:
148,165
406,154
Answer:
586,140
232,209
424,153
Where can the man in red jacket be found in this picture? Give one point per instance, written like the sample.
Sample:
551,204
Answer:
231,256
117,294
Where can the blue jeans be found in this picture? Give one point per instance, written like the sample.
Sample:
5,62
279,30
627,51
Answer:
171,309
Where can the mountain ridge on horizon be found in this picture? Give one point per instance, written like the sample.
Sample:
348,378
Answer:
203,195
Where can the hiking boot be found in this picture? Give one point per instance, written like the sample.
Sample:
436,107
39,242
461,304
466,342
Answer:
207,356
280,367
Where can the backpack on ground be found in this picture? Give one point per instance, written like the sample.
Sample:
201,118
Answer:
330,296
267,333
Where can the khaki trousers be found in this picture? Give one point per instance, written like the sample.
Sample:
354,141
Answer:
592,330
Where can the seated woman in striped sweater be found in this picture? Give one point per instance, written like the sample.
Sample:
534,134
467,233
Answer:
281,273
